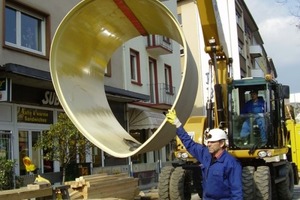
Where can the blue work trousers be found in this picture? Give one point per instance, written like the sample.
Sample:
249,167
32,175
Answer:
246,129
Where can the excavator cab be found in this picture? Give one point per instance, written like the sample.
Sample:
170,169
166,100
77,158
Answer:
259,126
249,119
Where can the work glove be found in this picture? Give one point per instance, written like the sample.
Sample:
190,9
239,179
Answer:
260,114
172,118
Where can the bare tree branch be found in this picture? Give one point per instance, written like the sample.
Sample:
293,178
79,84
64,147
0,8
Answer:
294,10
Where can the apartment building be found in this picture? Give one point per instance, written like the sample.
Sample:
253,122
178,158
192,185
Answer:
141,81
243,43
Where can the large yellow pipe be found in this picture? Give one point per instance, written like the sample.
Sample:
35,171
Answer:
81,48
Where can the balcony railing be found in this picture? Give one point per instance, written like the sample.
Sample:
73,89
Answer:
159,45
165,94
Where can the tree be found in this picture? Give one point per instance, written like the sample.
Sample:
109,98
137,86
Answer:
6,173
294,9
296,13
63,143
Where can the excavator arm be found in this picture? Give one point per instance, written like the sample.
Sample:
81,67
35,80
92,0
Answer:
215,46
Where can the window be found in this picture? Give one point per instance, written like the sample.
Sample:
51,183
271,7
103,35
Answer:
23,149
135,67
168,79
239,19
166,40
108,69
27,140
6,144
241,47
179,18
153,80
181,51
248,31
25,29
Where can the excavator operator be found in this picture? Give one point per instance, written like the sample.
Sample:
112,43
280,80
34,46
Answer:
254,106
222,173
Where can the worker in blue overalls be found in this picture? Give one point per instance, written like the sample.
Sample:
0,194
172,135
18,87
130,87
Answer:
254,106
221,172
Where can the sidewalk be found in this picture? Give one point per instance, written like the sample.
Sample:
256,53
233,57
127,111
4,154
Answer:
151,191
296,192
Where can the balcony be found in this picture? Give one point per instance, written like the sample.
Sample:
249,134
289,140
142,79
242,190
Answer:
257,73
159,45
162,95
255,51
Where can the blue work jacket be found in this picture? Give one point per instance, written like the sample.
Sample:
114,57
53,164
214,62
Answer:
254,107
222,179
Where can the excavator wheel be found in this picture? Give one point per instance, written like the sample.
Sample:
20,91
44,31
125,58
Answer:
295,170
262,178
180,185
164,182
248,183
285,189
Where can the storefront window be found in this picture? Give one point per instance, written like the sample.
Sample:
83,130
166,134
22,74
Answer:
5,144
141,137
27,140
97,157
36,153
23,149
47,164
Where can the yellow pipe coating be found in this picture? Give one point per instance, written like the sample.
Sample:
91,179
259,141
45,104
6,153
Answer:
81,48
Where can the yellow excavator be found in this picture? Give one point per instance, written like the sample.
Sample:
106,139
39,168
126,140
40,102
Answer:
268,173
82,46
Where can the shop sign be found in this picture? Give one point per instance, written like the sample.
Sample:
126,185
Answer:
50,98
34,96
33,115
5,89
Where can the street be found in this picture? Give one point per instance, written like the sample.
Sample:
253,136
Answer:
296,192
295,197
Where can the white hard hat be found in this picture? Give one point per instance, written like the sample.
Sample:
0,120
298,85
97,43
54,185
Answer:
216,135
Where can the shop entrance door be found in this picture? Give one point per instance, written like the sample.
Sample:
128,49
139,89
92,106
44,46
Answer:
27,140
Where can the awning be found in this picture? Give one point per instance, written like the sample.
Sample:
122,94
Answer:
29,76
144,119
23,75
27,71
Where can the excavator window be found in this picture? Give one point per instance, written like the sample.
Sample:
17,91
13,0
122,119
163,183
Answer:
249,118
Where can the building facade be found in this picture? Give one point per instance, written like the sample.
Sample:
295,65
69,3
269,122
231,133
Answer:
29,104
140,82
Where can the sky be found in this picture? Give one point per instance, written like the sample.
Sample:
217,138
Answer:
281,37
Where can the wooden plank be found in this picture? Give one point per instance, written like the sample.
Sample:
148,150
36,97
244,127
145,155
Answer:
39,185
111,191
96,180
113,184
109,180
76,195
103,185
24,193
93,175
124,193
80,182
92,178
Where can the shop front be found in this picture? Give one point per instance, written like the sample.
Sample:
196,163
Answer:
26,112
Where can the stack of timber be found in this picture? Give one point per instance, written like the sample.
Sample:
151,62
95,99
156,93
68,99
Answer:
103,186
